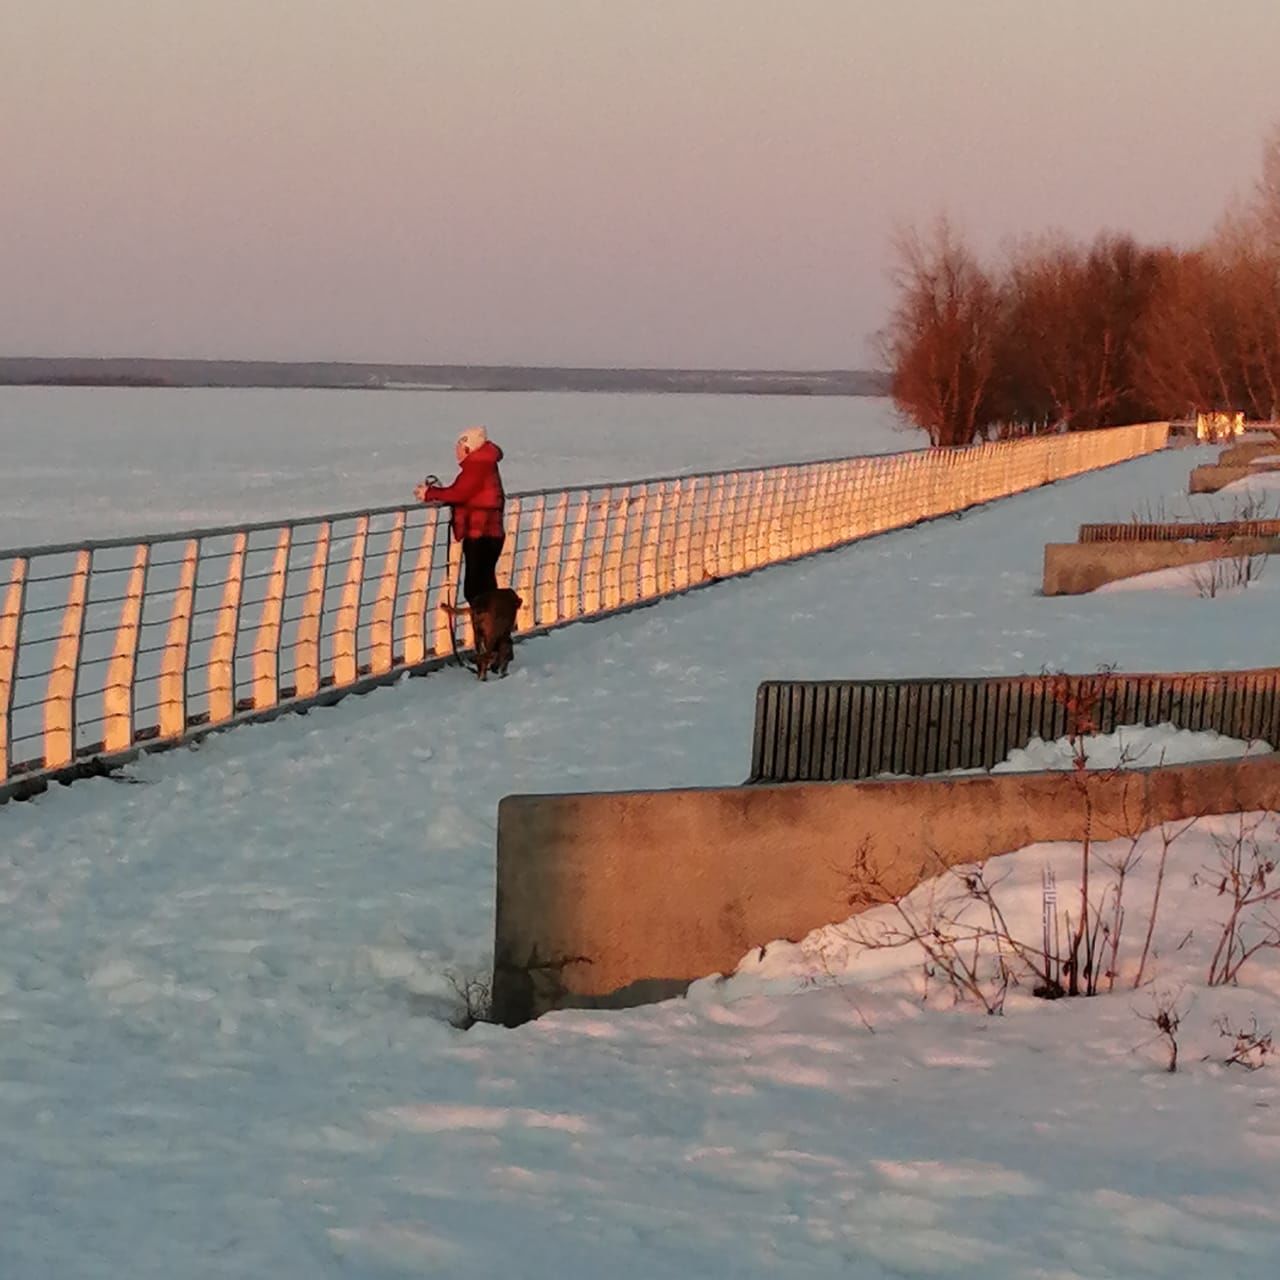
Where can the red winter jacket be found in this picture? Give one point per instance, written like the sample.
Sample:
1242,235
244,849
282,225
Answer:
476,495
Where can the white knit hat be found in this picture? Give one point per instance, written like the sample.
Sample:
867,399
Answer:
472,438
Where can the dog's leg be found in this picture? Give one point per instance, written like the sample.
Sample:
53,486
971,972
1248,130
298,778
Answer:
483,658
506,651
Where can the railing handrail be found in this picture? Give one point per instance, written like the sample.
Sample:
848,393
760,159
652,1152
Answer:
334,517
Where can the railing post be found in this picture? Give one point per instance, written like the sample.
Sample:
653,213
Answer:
844,502
821,484
725,564
830,505
528,589
172,699
382,625
812,510
826,507
792,513
117,694
415,605
60,703
705,557
222,652
613,554
713,547
548,588
10,621
734,557
593,563
687,547
639,501
450,593
571,582
693,533
815,510
859,495
746,520
346,634
506,567
891,476
651,544
306,647
266,646
668,570
799,497
758,524
771,548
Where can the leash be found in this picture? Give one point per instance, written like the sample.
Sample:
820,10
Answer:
453,622
434,482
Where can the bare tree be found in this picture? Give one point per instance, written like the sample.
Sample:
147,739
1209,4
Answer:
1072,337
1210,338
941,339
1180,367
1267,192
1073,316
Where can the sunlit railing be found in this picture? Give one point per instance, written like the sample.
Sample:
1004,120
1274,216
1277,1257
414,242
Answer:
109,646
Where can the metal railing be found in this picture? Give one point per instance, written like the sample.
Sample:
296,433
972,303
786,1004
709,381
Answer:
109,646
1179,531
841,730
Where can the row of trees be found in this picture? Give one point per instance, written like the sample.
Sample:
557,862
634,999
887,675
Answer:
1067,336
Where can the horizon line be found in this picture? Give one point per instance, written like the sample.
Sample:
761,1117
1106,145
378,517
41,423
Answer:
442,364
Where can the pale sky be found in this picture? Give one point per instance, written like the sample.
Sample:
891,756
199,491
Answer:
596,182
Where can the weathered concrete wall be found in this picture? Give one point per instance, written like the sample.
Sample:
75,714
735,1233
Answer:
1072,568
618,899
1246,451
1213,476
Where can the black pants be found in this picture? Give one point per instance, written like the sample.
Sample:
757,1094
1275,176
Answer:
479,566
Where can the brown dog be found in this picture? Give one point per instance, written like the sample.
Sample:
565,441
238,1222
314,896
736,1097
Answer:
493,618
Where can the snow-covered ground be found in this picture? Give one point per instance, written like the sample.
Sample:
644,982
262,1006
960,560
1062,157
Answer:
224,990
100,463
1129,746
1210,579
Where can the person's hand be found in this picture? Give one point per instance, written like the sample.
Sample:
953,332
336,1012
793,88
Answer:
421,491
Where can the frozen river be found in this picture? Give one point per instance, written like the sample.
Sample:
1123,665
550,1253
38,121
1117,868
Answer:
104,462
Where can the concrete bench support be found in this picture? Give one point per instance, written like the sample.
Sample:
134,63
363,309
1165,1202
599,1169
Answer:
1214,476
609,901
1073,568
1247,451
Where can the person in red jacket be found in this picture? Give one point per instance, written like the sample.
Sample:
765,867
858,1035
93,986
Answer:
477,499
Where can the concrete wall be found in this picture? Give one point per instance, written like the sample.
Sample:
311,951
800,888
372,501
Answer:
1072,568
1214,476
618,899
